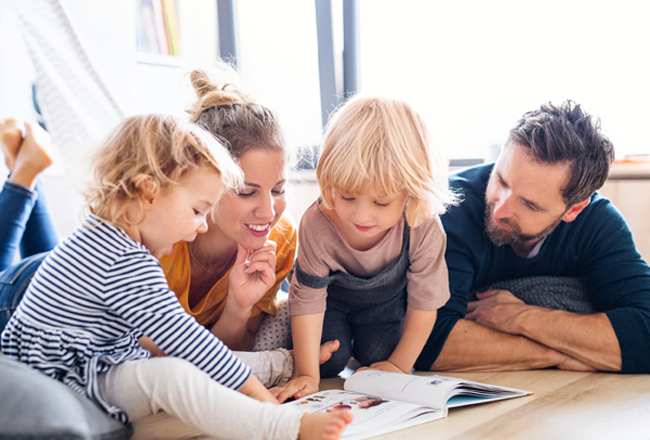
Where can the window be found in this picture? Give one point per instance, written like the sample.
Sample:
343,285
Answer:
473,67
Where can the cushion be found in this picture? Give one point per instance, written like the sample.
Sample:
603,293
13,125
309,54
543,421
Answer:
34,406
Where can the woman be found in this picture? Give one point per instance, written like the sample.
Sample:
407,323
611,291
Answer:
248,233
214,290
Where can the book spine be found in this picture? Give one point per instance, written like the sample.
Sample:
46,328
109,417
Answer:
149,27
169,13
141,40
159,21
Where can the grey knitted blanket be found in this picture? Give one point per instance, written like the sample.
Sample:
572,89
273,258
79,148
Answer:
559,293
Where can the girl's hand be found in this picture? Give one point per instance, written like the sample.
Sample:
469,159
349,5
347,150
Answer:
253,388
383,366
251,277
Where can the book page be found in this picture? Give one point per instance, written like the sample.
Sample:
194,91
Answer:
433,391
373,415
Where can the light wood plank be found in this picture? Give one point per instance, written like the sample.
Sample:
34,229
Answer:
566,405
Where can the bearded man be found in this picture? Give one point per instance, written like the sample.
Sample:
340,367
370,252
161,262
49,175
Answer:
543,271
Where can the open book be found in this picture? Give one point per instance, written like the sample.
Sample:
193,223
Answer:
384,402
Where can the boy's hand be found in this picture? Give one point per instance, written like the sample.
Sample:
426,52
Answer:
296,388
383,366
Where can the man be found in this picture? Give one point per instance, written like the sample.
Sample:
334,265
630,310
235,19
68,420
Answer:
534,216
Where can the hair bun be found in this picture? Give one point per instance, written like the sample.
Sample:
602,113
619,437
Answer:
215,86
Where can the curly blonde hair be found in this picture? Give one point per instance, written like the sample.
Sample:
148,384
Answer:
383,145
149,153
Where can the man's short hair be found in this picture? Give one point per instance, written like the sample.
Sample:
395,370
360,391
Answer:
566,134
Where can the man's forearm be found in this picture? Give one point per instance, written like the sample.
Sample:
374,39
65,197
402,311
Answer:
472,347
588,338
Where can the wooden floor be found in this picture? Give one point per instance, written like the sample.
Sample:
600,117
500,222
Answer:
566,405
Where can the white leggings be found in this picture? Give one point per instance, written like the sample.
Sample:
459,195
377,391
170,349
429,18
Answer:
142,388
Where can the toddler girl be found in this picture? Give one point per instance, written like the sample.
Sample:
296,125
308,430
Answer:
96,293
370,270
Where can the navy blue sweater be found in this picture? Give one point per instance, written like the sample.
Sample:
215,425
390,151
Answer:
597,245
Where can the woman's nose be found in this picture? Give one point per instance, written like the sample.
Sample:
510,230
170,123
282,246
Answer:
266,208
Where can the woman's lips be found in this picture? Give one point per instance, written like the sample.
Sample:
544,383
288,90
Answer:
259,230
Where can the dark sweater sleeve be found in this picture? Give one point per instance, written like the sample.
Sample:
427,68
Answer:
619,281
464,228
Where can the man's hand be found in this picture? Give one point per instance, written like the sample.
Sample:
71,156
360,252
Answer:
383,366
497,309
296,388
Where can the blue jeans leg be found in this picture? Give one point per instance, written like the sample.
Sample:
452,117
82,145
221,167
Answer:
40,233
18,228
13,284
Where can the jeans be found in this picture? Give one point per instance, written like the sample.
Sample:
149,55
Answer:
25,225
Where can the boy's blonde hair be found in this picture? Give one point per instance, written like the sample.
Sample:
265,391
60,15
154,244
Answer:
383,145
152,153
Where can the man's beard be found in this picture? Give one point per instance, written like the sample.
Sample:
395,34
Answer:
500,236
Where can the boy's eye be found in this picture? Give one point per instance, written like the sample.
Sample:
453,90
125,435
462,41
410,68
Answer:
197,212
382,204
347,199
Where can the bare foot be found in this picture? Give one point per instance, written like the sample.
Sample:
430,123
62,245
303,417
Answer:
326,351
33,157
324,426
324,355
10,139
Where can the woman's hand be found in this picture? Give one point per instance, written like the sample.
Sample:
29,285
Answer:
251,277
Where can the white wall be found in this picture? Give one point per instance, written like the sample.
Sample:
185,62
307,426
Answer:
107,29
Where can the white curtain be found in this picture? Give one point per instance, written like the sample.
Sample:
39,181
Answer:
76,104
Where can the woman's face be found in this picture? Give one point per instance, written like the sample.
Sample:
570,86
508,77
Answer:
247,217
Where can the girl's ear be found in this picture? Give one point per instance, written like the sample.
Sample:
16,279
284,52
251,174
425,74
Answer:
148,193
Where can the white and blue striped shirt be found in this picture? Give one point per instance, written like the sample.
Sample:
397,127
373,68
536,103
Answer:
90,301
